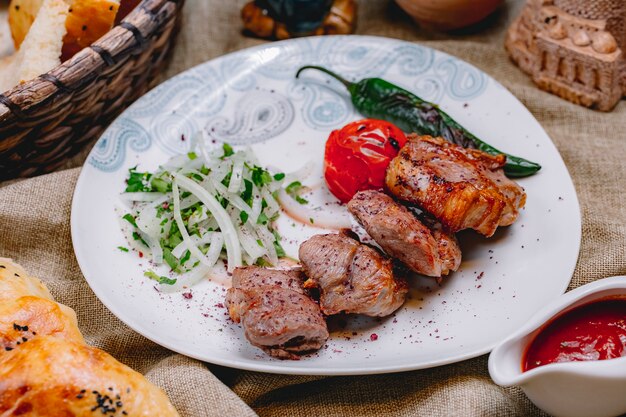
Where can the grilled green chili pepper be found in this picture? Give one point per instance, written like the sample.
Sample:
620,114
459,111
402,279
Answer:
377,98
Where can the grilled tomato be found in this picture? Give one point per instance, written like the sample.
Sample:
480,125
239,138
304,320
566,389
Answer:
358,154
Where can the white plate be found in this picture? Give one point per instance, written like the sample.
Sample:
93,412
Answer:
251,97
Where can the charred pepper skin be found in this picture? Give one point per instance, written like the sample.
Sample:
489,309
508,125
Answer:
380,99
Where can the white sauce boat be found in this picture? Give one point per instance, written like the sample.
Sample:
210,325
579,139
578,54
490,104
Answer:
591,388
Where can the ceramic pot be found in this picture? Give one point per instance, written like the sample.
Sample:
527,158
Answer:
448,14
300,16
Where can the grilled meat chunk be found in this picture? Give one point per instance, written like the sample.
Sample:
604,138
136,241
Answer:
448,249
274,311
352,277
403,236
462,188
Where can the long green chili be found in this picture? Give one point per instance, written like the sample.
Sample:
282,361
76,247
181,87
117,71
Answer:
380,99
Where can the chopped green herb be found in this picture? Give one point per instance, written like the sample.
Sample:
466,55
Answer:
294,187
262,219
185,257
246,195
192,155
262,262
170,259
139,238
280,252
130,219
137,181
226,180
294,190
243,216
311,220
160,279
160,185
279,176
228,150
260,177
122,248
300,199
174,238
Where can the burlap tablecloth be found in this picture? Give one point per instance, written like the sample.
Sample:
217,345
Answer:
35,231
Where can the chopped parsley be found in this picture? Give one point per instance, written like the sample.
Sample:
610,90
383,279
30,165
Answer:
160,279
170,259
294,190
130,219
228,150
160,185
260,176
280,252
137,181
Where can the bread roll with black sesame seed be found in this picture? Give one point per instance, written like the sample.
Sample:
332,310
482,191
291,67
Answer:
46,369
27,317
52,377
16,283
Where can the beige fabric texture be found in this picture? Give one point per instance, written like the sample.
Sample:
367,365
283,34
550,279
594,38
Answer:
35,231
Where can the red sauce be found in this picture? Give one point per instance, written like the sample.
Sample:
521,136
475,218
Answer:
594,331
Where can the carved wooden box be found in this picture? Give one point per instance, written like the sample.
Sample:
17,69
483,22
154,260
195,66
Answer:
573,48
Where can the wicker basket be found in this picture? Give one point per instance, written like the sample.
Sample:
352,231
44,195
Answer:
46,120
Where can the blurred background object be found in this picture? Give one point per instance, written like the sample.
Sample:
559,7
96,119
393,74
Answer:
448,14
573,48
282,19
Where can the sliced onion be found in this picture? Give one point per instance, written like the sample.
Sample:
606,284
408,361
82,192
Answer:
257,205
227,228
233,199
301,174
141,196
176,162
236,177
181,247
250,245
272,205
324,218
183,230
268,240
215,248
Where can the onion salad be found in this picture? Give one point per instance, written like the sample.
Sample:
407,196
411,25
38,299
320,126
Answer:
202,209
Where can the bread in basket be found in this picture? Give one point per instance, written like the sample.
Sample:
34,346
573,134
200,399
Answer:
48,119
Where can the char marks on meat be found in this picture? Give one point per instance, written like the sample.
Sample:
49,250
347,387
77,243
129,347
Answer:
462,188
402,235
275,312
352,277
